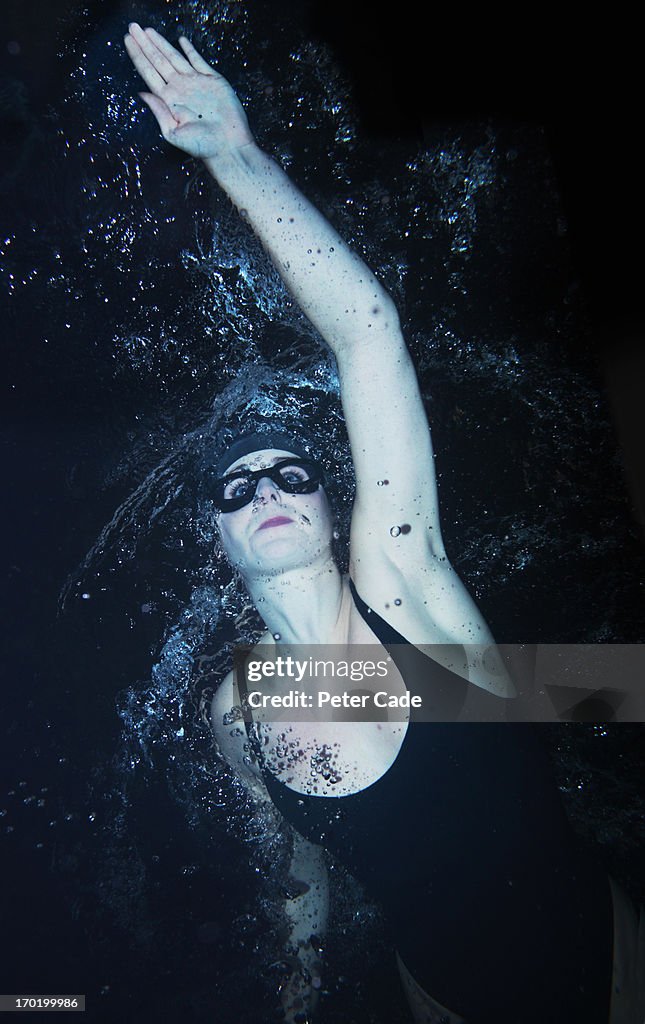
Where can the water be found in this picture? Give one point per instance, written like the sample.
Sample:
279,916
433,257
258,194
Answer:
143,322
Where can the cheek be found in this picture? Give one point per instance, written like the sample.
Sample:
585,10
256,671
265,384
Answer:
229,537
326,509
323,514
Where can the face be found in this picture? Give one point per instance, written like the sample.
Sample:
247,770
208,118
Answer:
276,531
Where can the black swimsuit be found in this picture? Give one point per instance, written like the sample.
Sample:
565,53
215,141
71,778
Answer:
464,842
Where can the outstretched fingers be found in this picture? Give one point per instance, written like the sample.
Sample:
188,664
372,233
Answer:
197,61
178,62
151,77
157,62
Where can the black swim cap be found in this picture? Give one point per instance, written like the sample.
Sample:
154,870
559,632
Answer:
257,442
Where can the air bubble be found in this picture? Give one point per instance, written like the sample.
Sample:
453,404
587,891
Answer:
397,601
276,637
395,531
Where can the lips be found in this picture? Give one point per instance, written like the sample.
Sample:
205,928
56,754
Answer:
274,521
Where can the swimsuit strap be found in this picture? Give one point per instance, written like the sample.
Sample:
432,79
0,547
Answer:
386,633
442,691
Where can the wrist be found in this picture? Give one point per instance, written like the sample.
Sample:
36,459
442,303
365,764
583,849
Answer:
232,167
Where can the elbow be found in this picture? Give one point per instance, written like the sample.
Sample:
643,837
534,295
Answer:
381,318
378,331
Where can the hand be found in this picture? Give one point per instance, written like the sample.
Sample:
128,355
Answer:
195,107
299,994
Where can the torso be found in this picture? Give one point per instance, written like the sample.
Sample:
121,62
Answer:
455,824
334,758
337,758
331,759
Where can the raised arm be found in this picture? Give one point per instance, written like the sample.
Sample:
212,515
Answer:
398,560
198,111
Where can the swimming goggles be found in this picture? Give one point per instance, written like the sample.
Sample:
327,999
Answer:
293,476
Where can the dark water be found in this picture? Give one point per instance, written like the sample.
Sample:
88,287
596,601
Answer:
139,314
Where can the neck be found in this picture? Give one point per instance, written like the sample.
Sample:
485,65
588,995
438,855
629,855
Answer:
301,606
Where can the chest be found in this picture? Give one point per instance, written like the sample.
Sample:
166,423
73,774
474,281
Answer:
332,759
326,755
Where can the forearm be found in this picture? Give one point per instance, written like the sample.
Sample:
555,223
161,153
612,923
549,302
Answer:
198,111
306,911
331,284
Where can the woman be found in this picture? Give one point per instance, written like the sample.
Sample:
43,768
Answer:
457,829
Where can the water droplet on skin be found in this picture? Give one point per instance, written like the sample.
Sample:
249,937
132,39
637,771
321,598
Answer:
395,531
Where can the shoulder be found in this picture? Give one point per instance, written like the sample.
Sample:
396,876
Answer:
223,702
229,731
226,720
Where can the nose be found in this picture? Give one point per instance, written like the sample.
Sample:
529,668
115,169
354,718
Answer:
266,490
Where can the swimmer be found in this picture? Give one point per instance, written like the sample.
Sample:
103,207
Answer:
457,829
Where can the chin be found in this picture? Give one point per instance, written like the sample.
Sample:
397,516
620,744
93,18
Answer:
286,555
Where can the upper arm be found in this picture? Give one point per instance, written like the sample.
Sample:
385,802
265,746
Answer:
397,557
396,512
232,740
306,909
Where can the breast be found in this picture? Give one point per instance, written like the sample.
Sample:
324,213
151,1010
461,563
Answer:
331,759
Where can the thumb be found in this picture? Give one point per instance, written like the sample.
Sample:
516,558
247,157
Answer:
165,120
